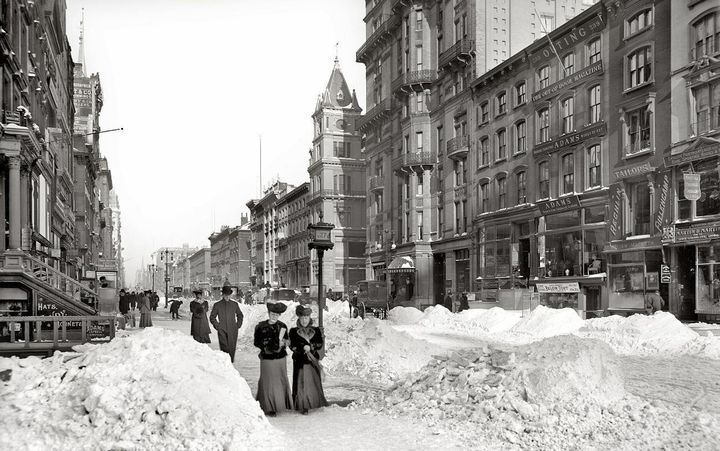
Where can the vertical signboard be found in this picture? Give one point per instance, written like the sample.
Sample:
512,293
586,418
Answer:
614,217
663,204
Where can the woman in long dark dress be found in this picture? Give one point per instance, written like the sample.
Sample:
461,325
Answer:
145,315
305,343
271,337
199,325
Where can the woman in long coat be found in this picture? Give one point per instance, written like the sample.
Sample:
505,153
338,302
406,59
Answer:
199,325
271,337
145,318
305,343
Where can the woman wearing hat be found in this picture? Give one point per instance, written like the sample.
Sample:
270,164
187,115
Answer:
145,318
305,342
271,337
199,325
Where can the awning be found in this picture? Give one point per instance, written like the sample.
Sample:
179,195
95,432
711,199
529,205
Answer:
401,264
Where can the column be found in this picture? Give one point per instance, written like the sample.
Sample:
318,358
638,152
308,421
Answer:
14,210
3,213
412,217
426,213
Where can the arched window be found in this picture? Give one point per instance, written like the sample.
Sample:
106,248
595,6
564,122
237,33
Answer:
502,192
594,108
501,140
594,166
520,94
639,67
543,125
639,22
706,35
568,173
520,137
521,187
544,180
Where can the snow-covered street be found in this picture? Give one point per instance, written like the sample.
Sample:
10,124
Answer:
483,379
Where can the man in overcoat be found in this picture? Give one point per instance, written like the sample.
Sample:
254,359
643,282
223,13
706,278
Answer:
226,317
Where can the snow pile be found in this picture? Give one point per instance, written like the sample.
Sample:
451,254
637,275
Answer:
492,321
372,349
547,322
154,389
405,315
660,333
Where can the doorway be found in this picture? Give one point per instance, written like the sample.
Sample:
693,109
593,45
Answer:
685,287
438,277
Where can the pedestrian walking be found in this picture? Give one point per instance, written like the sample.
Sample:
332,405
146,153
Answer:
199,325
271,336
145,316
448,301
133,300
175,308
305,342
154,300
226,317
463,302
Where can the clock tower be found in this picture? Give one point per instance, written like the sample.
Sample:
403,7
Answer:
337,184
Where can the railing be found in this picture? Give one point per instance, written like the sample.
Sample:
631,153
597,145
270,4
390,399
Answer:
708,47
458,146
48,275
707,120
382,30
80,329
416,77
460,48
376,182
379,110
415,158
460,192
336,192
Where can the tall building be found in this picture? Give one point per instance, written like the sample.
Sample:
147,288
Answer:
337,183
294,255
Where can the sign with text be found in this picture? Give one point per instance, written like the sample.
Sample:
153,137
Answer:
571,139
558,206
626,245
614,214
48,308
663,206
631,171
692,186
594,68
559,287
568,40
664,274
693,153
694,232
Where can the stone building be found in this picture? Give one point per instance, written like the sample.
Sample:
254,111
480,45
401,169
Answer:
199,263
294,255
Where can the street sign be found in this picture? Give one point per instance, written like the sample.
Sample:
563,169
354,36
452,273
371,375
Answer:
167,279
692,186
664,274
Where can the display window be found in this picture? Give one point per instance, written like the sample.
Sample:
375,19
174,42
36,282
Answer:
708,279
559,300
577,251
633,276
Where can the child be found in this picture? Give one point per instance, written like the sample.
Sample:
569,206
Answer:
175,307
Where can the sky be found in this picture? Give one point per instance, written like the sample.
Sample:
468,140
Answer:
194,84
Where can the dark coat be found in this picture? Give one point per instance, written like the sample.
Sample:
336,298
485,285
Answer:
175,306
268,340
448,302
298,342
199,325
226,317
124,304
463,303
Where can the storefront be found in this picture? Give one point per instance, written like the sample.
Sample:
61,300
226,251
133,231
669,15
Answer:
401,274
503,262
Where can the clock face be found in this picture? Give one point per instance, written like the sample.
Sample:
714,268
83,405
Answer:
341,124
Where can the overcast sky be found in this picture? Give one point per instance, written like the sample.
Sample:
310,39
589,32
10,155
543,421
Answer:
194,83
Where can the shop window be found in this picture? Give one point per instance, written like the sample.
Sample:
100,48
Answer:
594,159
593,259
568,174
543,180
595,104
708,278
543,125
563,254
639,22
567,108
569,64
639,67
593,51
594,215
520,137
639,217
543,76
706,36
563,220
633,276
521,188
707,108
709,202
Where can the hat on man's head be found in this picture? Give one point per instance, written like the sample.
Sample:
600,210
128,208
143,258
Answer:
197,291
276,307
301,310
226,289
147,291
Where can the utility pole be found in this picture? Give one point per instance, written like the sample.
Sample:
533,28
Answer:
167,276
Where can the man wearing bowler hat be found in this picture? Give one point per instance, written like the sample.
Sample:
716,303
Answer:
227,318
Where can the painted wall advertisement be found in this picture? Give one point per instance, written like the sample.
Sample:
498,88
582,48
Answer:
48,308
614,217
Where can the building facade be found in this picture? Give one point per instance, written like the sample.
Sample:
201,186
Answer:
294,255
200,268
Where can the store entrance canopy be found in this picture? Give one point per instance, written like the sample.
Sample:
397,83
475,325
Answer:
401,264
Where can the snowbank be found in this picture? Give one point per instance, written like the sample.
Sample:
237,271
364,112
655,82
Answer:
545,322
154,389
404,315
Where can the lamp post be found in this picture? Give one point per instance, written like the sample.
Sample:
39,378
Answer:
167,276
320,240
151,269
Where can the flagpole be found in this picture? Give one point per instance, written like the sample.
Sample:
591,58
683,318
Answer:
547,35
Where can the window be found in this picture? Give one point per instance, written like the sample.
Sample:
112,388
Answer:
707,108
378,203
419,142
419,218
501,104
593,51
706,35
521,188
567,108
520,94
418,57
501,145
639,22
569,64
594,165
484,113
568,174
639,65
709,202
484,152
418,20
520,139
638,131
440,139
639,220
502,194
484,198
341,149
543,125
544,77
594,99
419,102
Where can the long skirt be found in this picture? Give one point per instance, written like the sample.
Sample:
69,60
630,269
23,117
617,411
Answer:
202,338
307,387
273,388
145,320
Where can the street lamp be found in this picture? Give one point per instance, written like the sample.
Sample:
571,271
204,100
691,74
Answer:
152,269
167,276
320,240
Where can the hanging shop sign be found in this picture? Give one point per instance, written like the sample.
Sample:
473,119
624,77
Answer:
558,206
697,232
692,186
633,245
571,139
631,171
664,274
559,287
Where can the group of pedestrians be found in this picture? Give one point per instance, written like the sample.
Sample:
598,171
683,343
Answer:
272,337
143,301
456,304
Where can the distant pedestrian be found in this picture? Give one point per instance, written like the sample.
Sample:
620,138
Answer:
133,300
145,315
271,336
199,326
175,308
448,301
654,302
463,302
226,317
305,342
154,300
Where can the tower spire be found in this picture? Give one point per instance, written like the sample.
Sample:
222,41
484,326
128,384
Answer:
337,59
81,47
